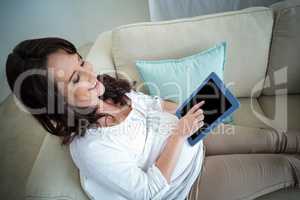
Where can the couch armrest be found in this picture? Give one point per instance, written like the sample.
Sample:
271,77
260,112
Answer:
54,176
20,140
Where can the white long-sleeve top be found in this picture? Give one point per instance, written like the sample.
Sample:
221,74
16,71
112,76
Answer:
118,162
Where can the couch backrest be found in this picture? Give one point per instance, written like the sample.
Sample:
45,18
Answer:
165,10
284,64
247,33
100,54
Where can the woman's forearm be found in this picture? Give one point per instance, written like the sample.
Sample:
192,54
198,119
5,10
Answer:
169,156
188,124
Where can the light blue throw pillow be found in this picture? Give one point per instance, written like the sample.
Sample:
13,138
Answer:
176,79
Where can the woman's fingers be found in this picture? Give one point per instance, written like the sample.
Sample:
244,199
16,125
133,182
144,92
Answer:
202,103
200,117
198,112
200,124
196,126
196,106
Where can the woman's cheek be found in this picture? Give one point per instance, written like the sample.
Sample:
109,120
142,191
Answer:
81,96
84,97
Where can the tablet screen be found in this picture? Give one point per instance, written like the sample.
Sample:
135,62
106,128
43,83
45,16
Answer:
215,104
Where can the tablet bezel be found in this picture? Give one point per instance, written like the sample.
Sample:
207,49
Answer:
235,104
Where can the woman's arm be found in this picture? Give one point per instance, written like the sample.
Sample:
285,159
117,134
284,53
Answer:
169,106
187,125
168,158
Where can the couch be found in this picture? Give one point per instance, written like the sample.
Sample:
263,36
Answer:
167,10
262,69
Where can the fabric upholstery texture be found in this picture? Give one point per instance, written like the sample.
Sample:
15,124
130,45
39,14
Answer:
55,165
284,53
100,54
286,193
246,32
235,139
283,111
19,144
253,174
247,114
168,10
231,139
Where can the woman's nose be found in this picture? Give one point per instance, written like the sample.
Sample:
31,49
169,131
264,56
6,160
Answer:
88,66
89,76
88,73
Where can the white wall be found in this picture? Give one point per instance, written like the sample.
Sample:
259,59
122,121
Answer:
76,20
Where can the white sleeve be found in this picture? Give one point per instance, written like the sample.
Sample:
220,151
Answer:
152,102
115,169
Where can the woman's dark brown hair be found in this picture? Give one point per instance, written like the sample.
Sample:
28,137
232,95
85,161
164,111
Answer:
34,91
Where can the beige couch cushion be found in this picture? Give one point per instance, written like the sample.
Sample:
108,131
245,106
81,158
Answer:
285,48
100,54
247,33
282,110
54,176
20,140
235,139
247,114
243,176
287,193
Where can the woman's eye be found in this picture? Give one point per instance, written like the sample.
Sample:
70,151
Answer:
76,80
82,63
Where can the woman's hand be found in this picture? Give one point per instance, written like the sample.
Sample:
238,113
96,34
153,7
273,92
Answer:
190,122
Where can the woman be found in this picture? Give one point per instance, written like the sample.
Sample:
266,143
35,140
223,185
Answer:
126,144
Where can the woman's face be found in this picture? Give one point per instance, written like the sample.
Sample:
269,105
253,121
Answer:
75,79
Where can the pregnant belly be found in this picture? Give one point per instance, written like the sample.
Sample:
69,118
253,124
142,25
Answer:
186,158
188,152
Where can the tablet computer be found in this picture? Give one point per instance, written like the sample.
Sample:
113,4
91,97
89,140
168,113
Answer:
219,104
